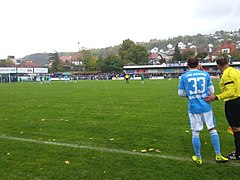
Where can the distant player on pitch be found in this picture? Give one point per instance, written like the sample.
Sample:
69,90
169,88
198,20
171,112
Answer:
127,78
196,85
142,78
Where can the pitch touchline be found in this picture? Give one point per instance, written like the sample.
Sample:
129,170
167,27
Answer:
119,151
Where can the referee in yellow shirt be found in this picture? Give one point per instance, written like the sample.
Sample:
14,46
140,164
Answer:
230,87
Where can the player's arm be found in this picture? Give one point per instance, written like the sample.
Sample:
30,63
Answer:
229,87
211,89
182,93
181,89
210,85
230,91
200,67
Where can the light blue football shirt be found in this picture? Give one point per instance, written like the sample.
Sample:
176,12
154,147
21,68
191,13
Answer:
196,84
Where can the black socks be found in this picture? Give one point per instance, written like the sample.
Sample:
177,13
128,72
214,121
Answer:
237,142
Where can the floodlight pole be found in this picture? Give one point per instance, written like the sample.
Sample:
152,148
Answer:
78,59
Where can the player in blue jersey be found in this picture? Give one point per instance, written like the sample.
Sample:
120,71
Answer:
196,85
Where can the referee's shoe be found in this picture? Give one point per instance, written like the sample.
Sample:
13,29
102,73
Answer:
233,156
220,158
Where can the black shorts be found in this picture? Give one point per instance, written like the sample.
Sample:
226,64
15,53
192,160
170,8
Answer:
232,112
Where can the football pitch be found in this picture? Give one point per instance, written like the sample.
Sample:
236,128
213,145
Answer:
105,130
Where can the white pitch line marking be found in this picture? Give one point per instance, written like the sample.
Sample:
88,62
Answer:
119,151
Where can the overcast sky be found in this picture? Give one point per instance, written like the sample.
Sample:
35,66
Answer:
36,26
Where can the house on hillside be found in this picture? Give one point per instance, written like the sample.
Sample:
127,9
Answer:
14,60
75,58
65,59
28,63
226,47
156,58
170,54
17,61
11,59
70,59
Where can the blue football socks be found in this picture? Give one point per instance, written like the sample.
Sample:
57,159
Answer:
215,142
196,146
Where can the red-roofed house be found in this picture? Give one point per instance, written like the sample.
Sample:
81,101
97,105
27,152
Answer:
28,63
225,48
156,58
75,58
71,59
63,59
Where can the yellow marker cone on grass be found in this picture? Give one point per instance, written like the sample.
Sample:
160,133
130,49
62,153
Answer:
230,130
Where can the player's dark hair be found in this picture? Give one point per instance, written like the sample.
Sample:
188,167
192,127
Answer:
192,62
221,61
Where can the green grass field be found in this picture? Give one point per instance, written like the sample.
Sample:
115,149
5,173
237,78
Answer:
97,129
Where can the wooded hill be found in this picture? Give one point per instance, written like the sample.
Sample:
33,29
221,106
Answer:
197,40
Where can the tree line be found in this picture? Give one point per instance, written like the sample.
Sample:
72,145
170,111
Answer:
129,53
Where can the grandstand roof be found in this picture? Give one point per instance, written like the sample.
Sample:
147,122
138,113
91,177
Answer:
175,65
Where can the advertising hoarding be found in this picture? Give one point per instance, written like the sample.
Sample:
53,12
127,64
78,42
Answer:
40,70
25,70
7,70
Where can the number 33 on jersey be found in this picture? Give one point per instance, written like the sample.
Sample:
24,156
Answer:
196,85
